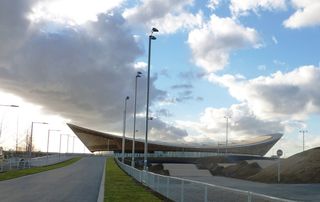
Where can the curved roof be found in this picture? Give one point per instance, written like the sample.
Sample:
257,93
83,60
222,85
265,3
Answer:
99,141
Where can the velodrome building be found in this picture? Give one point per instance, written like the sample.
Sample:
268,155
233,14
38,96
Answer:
99,141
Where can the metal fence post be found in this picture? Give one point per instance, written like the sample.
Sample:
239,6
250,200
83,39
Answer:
182,190
205,193
249,196
168,178
158,183
154,179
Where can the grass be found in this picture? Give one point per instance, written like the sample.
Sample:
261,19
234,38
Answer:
120,187
19,173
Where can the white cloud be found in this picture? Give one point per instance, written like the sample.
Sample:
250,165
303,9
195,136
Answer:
275,40
282,95
172,23
212,43
262,67
242,124
307,14
279,63
243,7
140,65
213,4
71,11
168,16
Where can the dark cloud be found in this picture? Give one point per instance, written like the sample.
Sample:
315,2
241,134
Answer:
163,113
80,72
188,76
182,86
199,99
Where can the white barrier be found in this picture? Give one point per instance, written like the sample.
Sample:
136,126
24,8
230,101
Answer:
181,154
23,163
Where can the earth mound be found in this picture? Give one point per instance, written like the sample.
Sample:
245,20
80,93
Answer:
303,167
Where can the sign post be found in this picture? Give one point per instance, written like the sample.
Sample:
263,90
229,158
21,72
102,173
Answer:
279,153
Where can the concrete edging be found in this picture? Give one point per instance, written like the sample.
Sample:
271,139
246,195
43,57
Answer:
101,190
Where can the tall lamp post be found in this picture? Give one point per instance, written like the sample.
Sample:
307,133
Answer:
124,126
1,105
15,106
227,117
151,37
68,143
48,143
31,136
303,132
134,118
73,144
60,144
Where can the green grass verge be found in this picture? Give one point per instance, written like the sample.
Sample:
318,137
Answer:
120,187
18,173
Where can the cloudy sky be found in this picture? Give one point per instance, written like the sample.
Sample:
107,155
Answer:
75,61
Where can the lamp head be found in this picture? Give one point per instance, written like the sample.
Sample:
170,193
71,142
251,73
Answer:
152,37
138,74
154,29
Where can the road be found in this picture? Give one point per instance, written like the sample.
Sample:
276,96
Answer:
77,182
297,192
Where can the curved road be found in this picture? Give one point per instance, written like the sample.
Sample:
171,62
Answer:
78,182
296,192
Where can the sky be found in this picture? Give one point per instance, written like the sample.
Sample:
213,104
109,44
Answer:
68,61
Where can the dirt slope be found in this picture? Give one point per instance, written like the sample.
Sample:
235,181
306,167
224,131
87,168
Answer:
300,168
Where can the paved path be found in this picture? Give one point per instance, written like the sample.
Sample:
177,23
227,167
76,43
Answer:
180,170
77,182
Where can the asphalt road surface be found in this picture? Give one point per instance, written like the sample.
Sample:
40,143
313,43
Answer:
296,192
78,182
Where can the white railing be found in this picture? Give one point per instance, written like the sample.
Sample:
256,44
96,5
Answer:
23,163
179,189
181,154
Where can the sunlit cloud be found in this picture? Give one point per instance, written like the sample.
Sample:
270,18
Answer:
71,11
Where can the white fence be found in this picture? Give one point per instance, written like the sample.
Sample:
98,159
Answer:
22,163
178,189
181,154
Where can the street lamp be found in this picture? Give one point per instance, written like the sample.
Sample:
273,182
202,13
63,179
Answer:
124,126
68,143
60,143
303,132
73,144
33,122
48,144
14,106
2,105
227,117
151,37
134,119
